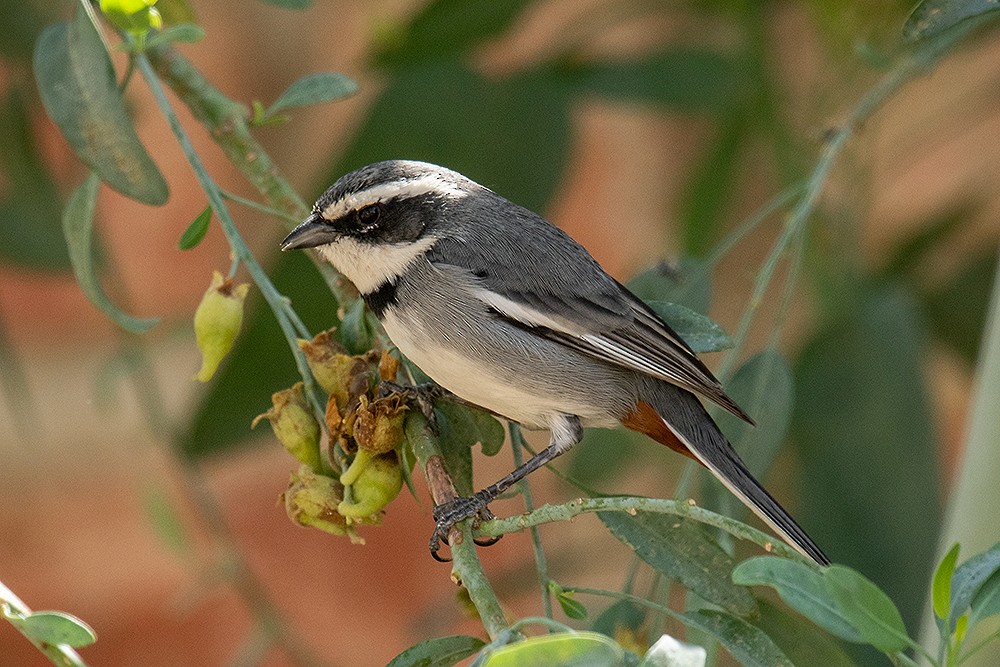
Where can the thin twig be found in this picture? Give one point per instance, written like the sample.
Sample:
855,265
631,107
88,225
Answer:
541,566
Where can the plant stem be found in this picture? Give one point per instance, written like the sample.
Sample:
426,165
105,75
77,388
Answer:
517,445
466,568
227,122
277,302
632,505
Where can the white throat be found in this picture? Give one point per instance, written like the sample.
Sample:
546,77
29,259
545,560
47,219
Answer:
370,266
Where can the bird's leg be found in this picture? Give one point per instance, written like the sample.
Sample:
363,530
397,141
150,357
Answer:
566,432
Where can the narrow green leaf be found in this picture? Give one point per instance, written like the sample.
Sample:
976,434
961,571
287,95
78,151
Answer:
698,331
799,638
78,89
444,29
572,607
166,522
802,588
862,424
354,331
932,17
747,643
56,627
681,79
78,227
461,428
289,4
567,649
622,615
683,551
314,89
703,210
438,652
941,584
196,231
181,33
867,608
970,581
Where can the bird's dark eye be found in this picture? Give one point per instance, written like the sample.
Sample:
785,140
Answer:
369,215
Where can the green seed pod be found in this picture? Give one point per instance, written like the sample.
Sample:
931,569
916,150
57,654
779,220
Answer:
294,425
311,500
217,321
376,484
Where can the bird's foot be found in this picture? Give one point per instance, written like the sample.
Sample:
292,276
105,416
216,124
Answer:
422,395
446,515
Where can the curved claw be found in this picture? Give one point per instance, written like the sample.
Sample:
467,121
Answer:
448,514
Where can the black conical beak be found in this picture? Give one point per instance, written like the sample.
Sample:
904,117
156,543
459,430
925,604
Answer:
314,231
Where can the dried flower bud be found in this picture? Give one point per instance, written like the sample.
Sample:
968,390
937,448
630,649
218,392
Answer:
388,367
217,321
376,485
335,371
378,426
294,425
311,500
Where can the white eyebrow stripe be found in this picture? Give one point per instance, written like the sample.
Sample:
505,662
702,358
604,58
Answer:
431,183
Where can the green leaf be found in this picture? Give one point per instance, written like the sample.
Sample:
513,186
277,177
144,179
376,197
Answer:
314,89
747,643
438,652
485,128
187,33
932,17
698,331
196,231
957,309
461,428
572,607
56,627
166,522
802,588
799,638
683,551
32,236
703,209
986,602
78,227
682,79
687,284
970,580
78,88
862,424
622,615
867,608
941,584
444,29
354,331
289,4
567,649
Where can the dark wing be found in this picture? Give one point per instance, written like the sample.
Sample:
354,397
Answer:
548,284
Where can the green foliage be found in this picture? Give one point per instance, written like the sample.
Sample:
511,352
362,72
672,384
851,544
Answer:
196,231
700,333
862,423
747,643
438,652
460,430
78,228
314,89
932,17
77,85
681,549
55,627
568,649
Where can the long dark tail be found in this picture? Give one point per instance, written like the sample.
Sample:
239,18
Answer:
690,425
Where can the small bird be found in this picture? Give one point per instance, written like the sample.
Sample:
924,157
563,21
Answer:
507,312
